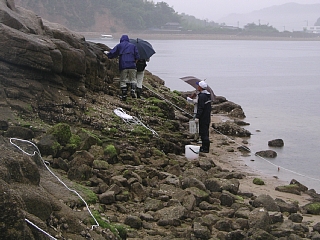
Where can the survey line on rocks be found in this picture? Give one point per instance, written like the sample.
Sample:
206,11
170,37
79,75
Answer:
179,108
41,230
45,164
277,166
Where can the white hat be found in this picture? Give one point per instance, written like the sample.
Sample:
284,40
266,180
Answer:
203,84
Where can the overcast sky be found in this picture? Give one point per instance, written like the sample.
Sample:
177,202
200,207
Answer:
213,10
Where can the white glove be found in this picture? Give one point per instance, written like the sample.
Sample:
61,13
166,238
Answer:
196,120
189,98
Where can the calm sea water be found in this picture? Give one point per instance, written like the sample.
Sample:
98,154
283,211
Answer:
277,83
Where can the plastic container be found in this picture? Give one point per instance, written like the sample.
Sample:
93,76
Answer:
193,127
192,152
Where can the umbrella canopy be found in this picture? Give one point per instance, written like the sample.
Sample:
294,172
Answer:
145,49
193,82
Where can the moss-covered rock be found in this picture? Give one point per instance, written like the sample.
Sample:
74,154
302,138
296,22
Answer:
291,188
101,165
313,208
62,133
258,181
88,138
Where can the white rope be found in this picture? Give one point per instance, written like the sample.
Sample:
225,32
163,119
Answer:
35,226
277,166
132,120
179,108
44,162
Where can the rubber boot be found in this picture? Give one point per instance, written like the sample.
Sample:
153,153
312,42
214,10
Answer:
205,147
139,91
124,91
133,90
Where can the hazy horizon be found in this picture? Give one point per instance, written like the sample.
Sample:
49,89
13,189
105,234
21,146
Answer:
213,10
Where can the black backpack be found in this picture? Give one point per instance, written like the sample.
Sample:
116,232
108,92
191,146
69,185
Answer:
141,65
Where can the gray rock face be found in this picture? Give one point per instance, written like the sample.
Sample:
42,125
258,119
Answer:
46,58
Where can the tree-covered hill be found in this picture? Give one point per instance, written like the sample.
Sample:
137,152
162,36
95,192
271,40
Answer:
103,15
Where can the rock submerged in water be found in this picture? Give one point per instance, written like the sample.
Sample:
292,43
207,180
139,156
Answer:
267,154
276,143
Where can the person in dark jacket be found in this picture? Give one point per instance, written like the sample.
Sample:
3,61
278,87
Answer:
141,65
128,56
203,116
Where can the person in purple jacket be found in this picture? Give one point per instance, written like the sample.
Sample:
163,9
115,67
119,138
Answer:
128,56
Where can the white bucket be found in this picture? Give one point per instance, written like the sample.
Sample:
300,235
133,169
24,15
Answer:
192,151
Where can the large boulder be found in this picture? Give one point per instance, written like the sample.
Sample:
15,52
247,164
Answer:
43,64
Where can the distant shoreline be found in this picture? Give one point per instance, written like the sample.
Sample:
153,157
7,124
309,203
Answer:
182,36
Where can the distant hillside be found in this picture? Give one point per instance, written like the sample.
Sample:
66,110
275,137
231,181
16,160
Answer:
77,15
290,16
106,16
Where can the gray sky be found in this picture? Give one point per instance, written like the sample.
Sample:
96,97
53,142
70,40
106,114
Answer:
213,10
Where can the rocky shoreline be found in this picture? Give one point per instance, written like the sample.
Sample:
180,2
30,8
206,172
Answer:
59,92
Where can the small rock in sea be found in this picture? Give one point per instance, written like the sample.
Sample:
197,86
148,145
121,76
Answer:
243,149
276,143
267,154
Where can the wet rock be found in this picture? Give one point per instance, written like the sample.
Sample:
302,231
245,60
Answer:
237,113
292,188
139,192
267,202
153,205
19,132
107,197
236,235
231,129
267,154
223,225
312,208
192,182
240,123
296,217
300,186
189,202
224,106
12,213
80,173
133,221
201,231
259,218
286,207
276,217
48,145
276,143
243,212
170,216
316,227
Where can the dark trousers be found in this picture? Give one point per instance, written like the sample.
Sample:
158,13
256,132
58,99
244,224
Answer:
204,134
